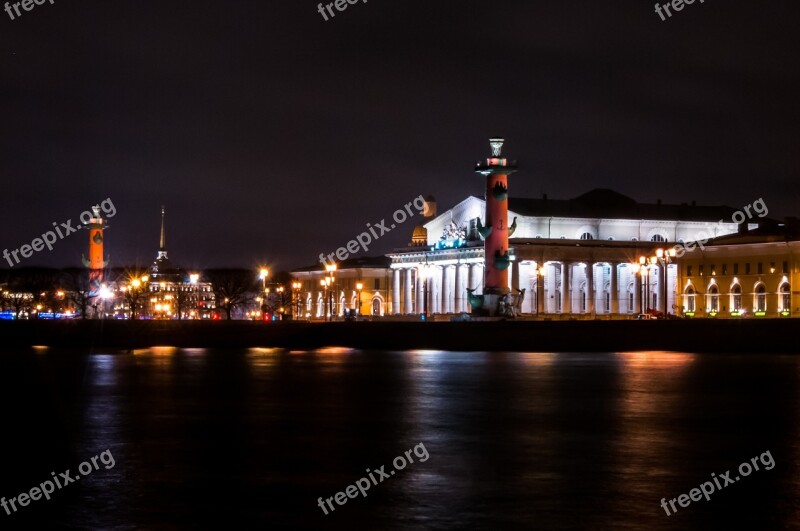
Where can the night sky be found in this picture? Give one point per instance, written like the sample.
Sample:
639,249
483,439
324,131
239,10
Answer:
272,135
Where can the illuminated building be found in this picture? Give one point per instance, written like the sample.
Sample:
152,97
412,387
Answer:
744,275
174,293
324,292
571,257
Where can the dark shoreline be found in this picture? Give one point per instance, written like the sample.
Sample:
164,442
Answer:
731,336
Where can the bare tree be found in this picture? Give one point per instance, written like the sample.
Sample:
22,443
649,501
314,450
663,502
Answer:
135,289
232,287
78,290
184,300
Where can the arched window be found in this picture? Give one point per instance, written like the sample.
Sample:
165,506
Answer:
761,298
376,306
713,299
786,298
690,306
587,236
658,238
736,301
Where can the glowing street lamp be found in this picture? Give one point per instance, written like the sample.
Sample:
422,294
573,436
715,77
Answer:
666,258
263,274
331,269
296,306
359,287
323,283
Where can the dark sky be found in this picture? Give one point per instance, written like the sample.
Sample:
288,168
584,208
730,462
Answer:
272,135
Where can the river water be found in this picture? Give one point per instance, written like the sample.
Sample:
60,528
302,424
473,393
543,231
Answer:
211,439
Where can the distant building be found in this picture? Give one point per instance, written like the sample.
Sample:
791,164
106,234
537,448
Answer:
744,275
169,292
316,300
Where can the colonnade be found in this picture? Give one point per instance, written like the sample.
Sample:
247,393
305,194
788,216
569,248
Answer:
552,287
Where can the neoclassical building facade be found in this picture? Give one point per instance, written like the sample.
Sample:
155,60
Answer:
572,257
744,275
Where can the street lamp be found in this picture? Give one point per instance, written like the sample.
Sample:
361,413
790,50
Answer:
359,287
538,272
331,269
296,306
263,274
324,284
279,290
646,264
666,258
427,272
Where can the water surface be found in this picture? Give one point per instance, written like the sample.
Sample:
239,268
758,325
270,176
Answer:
245,439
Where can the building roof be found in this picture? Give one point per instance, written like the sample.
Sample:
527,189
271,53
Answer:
364,262
767,232
608,204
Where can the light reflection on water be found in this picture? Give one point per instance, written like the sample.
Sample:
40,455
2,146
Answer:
205,437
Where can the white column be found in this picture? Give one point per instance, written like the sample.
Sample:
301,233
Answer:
525,283
513,278
419,307
540,281
479,277
471,276
566,285
458,295
637,291
407,291
590,295
672,287
446,289
395,292
434,298
614,289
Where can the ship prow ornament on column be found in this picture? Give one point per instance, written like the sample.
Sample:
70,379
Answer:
95,263
497,299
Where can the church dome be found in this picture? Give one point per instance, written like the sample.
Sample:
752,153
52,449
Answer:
419,236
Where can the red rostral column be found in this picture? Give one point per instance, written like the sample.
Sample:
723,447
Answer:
495,233
95,263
